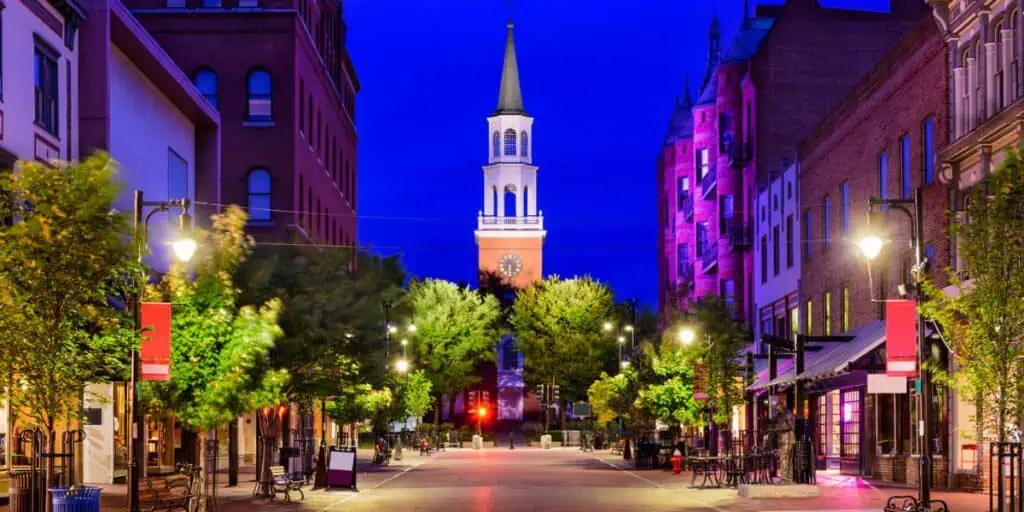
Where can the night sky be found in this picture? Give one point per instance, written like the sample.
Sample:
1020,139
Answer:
599,78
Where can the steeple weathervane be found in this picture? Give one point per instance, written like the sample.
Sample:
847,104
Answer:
510,97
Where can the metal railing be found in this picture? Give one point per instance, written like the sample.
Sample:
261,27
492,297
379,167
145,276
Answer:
708,181
686,204
1006,478
498,223
709,254
736,233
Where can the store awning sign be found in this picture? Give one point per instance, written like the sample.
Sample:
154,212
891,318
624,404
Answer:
155,352
901,338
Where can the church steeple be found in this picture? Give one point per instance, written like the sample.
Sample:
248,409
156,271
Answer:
510,97
714,49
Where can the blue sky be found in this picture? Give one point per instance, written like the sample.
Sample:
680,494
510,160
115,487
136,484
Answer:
599,78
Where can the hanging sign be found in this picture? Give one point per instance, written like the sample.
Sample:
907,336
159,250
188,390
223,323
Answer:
700,382
341,468
901,338
155,352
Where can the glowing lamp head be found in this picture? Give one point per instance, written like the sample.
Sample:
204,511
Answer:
404,342
402,366
607,326
184,248
628,328
412,327
625,364
482,412
392,329
686,336
622,339
871,246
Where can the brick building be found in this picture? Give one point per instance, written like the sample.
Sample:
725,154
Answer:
765,90
881,141
279,73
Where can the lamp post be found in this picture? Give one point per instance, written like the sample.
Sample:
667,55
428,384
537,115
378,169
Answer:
871,246
183,248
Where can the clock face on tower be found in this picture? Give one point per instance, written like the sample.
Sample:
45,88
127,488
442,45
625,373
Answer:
510,266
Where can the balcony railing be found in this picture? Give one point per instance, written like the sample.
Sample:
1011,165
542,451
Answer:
687,206
497,223
709,256
736,233
708,181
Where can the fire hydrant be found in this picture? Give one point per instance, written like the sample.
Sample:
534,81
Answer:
677,463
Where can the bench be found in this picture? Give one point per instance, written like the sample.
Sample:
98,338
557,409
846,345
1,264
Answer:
281,481
172,492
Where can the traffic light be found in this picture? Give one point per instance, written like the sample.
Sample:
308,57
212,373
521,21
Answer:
471,396
541,395
485,399
554,393
482,412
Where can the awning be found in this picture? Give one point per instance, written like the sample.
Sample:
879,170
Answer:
832,360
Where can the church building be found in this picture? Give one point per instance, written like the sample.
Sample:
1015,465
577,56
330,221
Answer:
510,228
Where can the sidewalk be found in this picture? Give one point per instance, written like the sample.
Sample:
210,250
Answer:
114,497
851,492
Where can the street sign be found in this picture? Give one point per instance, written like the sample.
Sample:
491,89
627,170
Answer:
341,468
580,410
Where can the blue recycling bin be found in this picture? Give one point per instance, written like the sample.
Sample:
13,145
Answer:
76,499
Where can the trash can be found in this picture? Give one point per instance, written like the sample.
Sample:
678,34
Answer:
76,499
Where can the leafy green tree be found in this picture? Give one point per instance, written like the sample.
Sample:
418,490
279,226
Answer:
359,403
64,254
456,330
332,318
559,329
415,391
669,396
984,318
718,342
220,364
611,397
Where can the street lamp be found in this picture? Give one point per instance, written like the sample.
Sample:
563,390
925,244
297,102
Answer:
183,247
871,246
607,326
402,365
686,336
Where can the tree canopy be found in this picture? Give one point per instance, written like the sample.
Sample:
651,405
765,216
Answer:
63,261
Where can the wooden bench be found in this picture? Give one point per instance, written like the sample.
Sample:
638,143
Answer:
283,482
171,492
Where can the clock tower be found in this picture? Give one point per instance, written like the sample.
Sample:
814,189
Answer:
510,229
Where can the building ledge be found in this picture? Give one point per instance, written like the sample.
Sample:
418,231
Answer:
258,124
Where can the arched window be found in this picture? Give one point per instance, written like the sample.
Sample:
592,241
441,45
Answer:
258,94
259,195
494,200
510,201
526,199
510,142
496,144
524,143
206,81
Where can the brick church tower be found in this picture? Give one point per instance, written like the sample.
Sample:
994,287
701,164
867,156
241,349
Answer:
510,229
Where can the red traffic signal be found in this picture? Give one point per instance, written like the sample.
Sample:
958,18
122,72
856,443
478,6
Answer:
482,412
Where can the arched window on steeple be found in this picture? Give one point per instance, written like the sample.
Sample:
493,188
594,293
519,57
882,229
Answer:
524,145
526,198
510,142
510,200
496,144
494,199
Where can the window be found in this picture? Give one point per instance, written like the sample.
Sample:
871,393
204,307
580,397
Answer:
683,184
845,305
510,142
851,423
177,176
883,292
928,150
725,133
929,254
727,287
524,141
496,144
309,118
789,240
258,93
702,237
319,130
826,221
844,191
764,259
776,242
703,163
682,259
789,190
302,106
905,185
259,195
826,313
211,3
822,424
726,210
807,234
206,82
794,322
809,317
46,87
883,175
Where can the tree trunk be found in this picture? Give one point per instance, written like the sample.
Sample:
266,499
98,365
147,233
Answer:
233,453
51,438
437,412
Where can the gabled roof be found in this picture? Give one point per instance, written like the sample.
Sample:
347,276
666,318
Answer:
510,97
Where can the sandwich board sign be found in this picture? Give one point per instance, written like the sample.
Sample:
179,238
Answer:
341,468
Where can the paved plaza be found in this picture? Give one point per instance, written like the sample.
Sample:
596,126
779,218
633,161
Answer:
558,479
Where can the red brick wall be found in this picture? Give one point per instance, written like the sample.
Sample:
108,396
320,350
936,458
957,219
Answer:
808,62
894,100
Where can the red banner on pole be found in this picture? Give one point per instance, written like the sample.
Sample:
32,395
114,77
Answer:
155,352
901,338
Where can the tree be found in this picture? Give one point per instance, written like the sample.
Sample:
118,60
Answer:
456,329
61,264
984,318
220,364
669,395
332,318
359,403
558,325
415,393
719,342
611,398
